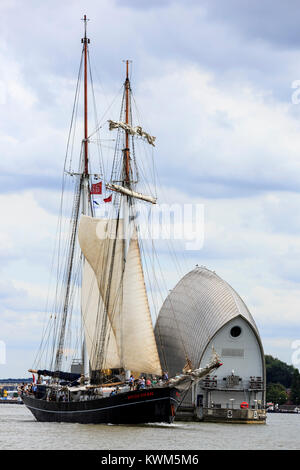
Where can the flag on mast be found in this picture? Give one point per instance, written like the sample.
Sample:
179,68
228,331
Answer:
108,199
96,188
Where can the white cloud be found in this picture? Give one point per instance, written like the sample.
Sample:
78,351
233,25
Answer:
237,136
24,223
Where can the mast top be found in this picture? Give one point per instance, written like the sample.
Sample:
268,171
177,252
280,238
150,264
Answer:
126,150
127,62
85,20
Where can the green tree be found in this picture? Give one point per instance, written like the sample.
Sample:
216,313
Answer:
276,393
295,388
279,372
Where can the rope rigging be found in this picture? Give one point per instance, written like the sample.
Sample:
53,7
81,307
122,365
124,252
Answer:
68,276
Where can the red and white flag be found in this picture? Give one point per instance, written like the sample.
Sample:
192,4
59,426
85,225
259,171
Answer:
96,188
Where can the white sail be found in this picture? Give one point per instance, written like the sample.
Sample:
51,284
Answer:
122,290
94,316
103,249
140,350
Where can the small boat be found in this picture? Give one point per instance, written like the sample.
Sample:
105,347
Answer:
11,397
116,336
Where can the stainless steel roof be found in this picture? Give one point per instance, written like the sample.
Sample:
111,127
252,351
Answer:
194,311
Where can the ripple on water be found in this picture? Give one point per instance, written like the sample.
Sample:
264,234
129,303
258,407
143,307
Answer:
19,430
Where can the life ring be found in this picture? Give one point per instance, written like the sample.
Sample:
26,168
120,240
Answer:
244,404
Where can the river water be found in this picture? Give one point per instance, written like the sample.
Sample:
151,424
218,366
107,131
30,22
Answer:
19,430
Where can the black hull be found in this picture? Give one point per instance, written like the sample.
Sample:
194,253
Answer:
153,405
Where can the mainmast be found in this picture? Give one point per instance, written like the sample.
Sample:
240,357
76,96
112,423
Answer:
85,174
85,142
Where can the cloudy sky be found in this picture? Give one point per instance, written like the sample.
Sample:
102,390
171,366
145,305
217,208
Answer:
216,81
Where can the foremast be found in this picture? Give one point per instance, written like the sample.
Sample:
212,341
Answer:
82,201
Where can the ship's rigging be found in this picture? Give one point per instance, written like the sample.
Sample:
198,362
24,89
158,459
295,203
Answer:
124,176
88,318
101,311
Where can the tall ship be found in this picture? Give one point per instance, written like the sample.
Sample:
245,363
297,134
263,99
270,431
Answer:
118,378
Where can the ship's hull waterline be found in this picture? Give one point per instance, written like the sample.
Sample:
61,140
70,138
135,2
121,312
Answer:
154,405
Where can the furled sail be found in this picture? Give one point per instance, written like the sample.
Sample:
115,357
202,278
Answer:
123,291
132,130
129,192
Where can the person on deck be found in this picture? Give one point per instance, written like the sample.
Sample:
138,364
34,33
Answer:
165,376
131,382
154,381
82,379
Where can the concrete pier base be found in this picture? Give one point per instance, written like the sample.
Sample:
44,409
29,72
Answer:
221,415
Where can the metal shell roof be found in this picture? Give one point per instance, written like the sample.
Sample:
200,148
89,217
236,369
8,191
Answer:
194,311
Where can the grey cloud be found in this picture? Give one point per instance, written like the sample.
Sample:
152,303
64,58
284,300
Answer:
145,4
273,21
12,183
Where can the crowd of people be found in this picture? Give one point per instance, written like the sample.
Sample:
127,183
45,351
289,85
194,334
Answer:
143,383
26,388
147,382
29,388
